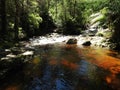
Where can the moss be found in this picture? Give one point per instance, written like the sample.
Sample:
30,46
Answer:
108,34
100,34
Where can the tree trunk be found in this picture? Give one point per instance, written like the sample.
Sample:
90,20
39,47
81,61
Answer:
56,8
3,18
16,26
64,11
116,34
48,4
74,8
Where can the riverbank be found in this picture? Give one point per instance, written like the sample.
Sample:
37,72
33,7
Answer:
54,38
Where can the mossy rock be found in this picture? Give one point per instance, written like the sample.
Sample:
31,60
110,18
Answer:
100,34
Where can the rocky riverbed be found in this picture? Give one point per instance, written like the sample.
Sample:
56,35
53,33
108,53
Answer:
26,48
62,39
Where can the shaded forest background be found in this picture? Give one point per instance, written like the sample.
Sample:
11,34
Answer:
21,19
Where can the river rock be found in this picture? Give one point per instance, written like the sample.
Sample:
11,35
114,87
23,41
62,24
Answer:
11,56
28,53
72,41
87,43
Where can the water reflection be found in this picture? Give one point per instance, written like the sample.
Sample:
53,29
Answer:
67,67
62,84
109,61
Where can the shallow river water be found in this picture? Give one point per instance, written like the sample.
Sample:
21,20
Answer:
66,67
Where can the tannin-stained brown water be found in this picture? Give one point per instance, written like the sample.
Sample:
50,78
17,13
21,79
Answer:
66,67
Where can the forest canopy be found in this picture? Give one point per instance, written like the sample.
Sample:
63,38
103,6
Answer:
26,18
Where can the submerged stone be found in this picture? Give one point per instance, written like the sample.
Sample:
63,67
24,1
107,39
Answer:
72,41
87,43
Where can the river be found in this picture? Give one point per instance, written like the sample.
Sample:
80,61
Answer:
65,67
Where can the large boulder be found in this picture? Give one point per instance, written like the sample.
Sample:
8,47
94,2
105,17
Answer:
72,41
86,43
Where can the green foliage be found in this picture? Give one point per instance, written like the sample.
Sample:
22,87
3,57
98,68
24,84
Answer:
67,14
34,19
114,6
114,19
32,10
71,15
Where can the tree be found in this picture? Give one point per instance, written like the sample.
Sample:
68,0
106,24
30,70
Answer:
3,18
114,7
16,25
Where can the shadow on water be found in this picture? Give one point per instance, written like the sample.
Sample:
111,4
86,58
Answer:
68,67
